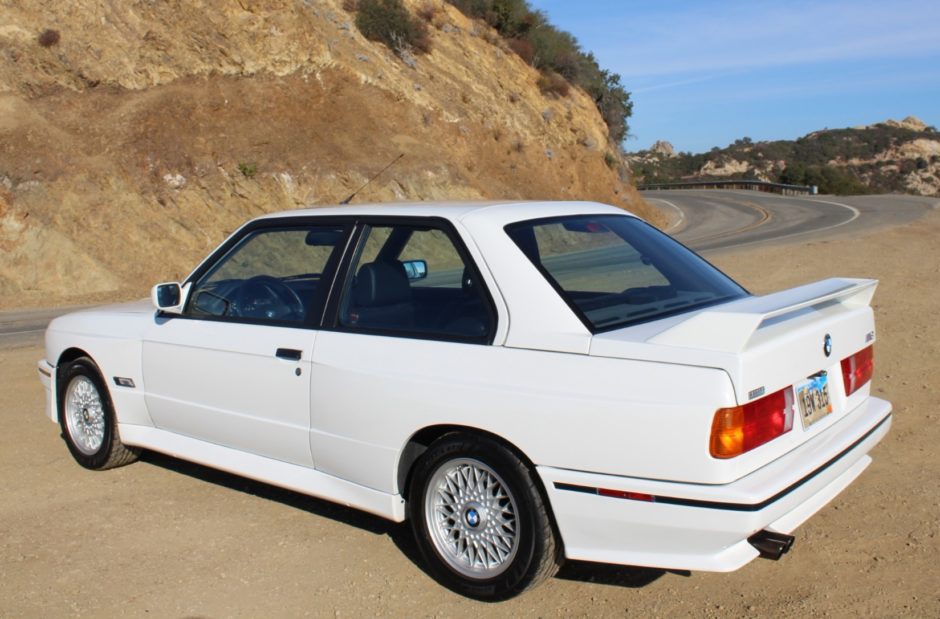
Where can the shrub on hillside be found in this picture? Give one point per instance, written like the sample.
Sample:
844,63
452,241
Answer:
48,37
523,48
554,84
828,179
390,23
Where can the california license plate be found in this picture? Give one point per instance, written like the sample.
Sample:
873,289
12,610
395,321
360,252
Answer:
813,396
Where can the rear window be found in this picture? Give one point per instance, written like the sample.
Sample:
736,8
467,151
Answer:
616,270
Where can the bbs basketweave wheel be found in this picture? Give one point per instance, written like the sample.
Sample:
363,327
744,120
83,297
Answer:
479,519
87,418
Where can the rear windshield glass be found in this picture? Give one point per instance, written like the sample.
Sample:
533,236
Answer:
616,270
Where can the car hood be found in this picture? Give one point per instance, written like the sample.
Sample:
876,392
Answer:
117,320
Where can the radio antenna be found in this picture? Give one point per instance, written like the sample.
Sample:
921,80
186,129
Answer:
353,194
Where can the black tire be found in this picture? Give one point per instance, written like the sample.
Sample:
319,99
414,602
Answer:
509,508
87,419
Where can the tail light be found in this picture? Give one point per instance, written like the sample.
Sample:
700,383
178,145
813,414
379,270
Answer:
740,429
857,369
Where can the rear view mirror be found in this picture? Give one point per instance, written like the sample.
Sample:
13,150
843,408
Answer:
415,269
168,297
320,237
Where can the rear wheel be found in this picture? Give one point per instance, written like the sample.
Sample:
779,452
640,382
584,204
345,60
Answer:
479,519
87,418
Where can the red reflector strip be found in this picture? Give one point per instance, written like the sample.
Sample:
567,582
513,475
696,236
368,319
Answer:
616,494
858,369
623,494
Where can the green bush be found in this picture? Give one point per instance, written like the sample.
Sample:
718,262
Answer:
248,170
390,23
829,179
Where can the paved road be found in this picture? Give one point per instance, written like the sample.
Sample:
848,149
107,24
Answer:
709,220
706,220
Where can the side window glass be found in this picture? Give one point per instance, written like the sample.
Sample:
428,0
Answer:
272,275
413,281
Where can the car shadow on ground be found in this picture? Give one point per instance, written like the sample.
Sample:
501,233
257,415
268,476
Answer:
398,533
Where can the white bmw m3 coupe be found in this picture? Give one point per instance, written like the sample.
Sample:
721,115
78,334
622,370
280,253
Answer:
523,382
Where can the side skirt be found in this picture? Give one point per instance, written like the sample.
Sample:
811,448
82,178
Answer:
291,476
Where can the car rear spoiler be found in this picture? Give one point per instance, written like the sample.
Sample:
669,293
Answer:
730,327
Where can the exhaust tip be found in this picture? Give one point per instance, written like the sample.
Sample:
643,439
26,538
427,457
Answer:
770,544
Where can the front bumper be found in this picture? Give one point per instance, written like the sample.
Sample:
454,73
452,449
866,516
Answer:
46,377
705,527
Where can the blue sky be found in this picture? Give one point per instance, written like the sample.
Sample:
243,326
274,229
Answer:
705,73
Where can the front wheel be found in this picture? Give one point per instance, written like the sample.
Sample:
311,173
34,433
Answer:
87,418
479,519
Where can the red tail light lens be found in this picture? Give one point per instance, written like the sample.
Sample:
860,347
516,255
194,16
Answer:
739,429
858,369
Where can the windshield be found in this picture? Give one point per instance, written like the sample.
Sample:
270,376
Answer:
616,270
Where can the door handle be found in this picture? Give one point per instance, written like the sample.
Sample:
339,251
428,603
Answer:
291,354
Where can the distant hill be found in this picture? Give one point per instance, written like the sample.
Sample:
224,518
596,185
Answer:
888,157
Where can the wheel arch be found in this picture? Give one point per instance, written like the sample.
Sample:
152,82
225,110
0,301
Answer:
419,442
69,355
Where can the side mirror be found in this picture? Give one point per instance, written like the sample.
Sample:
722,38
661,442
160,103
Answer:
168,297
415,269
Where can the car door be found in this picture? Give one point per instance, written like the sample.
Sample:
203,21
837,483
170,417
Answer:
411,322
235,368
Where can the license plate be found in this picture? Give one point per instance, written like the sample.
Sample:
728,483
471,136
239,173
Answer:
813,396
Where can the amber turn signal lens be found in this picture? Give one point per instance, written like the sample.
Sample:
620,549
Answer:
739,429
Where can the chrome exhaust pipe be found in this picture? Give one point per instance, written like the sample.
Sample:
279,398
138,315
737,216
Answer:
771,545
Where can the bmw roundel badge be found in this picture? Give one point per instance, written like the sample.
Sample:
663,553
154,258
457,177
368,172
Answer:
827,344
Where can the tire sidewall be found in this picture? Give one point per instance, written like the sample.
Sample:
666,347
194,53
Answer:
529,511
86,367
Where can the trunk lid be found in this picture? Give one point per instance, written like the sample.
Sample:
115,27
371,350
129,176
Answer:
764,344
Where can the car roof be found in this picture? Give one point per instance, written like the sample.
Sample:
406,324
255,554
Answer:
514,210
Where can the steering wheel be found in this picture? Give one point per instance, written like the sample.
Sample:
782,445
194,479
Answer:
263,296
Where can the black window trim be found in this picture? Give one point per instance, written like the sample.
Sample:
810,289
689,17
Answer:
343,277
570,303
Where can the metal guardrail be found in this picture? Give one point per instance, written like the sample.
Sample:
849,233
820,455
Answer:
767,186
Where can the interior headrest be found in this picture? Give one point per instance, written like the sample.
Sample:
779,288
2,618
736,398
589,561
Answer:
381,283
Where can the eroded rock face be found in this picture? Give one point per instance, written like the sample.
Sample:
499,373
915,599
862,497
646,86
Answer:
663,147
150,130
725,167
911,122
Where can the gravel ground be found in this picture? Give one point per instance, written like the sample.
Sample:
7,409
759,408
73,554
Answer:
169,539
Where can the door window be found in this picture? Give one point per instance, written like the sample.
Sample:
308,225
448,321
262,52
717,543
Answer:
414,281
270,275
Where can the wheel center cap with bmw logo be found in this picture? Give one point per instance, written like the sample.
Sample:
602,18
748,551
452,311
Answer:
473,517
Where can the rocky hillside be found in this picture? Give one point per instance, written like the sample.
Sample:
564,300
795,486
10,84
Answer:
134,135
893,156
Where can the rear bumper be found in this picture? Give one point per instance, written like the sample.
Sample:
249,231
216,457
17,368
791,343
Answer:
705,527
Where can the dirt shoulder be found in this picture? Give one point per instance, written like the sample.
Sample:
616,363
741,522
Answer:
165,538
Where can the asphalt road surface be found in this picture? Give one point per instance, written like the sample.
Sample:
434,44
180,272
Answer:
705,220
708,220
